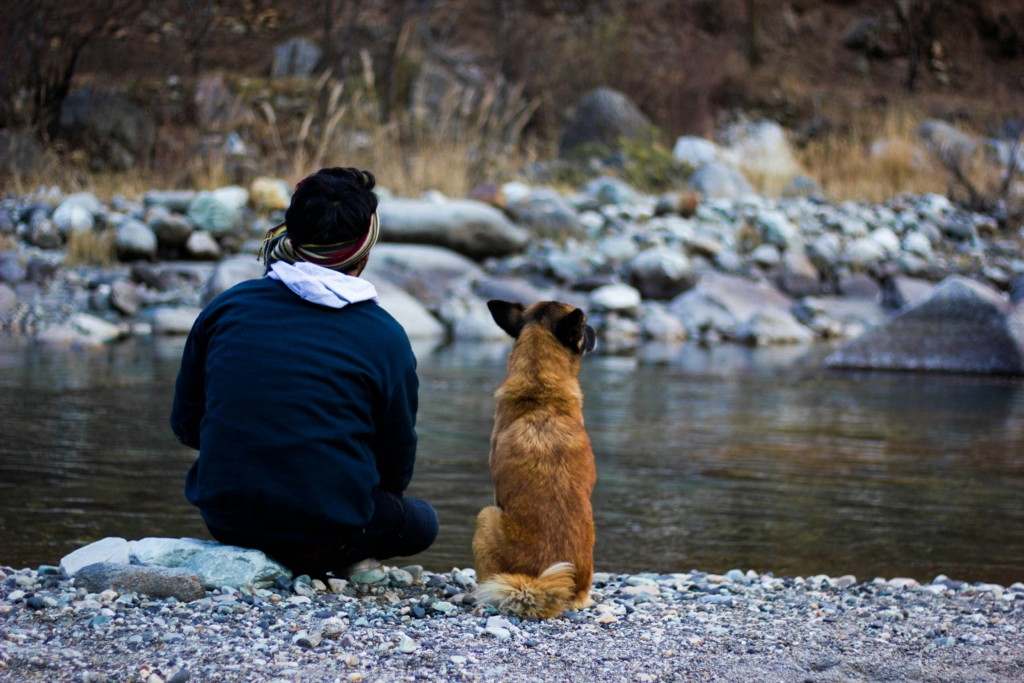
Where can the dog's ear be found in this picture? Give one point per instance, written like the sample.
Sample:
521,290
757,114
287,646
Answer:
572,330
508,315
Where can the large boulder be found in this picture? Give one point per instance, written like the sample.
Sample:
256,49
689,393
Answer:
134,240
218,211
604,117
410,314
427,273
173,320
760,149
513,289
660,272
229,273
951,145
110,550
114,132
962,327
773,326
724,303
218,565
718,181
469,319
172,200
171,229
471,228
901,291
547,215
81,329
693,152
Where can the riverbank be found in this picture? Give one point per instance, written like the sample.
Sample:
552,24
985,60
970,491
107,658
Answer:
742,626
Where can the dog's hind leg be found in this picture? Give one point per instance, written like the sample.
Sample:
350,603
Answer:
488,543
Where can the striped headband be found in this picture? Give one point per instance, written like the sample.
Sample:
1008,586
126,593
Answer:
342,256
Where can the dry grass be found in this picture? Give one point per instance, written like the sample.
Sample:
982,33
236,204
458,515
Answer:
91,248
877,160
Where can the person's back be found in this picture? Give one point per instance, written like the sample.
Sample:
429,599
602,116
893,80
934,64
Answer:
300,393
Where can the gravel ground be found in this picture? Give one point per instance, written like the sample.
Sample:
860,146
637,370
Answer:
692,627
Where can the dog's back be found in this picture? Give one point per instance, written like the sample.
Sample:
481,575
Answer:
534,547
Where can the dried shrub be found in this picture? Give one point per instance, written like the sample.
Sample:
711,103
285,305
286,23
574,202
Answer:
93,247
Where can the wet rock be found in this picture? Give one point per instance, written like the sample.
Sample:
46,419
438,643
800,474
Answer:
217,564
723,303
270,194
718,181
547,215
471,228
962,326
604,117
773,326
693,152
114,132
173,320
413,316
429,274
109,550
618,298
171,229
201,246
81,329
156,582
660,273
229,273
172,200
125,298
134,240
219,211
296,58
902,291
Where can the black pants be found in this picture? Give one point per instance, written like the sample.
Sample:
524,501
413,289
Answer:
400,527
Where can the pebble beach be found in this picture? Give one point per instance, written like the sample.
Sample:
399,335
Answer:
411,625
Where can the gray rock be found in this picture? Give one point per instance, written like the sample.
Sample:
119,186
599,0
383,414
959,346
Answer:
219,211
171,229
72,217
469,318
718,181
618,298
693,152
413,316
81,329
471,228
658,324
759,148
156,582
173,320
951,145
863,253
370,576
604,117
766,256
201,246
547,215
607,190
8,302
229,273
134,240
825,252
962,327
107,550
115,133
172,200
427,273
11,270
777,229
723,303
400,578
125,297
801,186
660,273
513,289
217,564
900,291
773,326
860,286
799,276
617,248
45,235
297,58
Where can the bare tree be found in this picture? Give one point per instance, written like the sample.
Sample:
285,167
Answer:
199,16
917,18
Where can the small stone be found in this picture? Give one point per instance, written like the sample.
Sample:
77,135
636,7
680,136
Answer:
125,298
332,628
318,585
181,676
637,590
903,583
444,607
415,571
501,634
337,586
368,577
299,600
303,589
201,246
307,640
845,581
407,645
400,578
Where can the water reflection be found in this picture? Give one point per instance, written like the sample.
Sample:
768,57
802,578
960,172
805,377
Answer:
710,458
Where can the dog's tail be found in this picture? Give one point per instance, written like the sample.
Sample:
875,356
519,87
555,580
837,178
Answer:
540,597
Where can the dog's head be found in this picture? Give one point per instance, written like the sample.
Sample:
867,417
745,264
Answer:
567,324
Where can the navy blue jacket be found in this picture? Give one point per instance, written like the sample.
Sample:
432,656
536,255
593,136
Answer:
298,412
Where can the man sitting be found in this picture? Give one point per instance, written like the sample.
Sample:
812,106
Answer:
299,392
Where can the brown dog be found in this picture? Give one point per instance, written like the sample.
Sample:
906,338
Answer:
534,548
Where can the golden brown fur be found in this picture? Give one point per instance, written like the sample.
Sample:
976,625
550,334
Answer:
543,469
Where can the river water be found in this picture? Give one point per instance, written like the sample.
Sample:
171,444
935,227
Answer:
708,459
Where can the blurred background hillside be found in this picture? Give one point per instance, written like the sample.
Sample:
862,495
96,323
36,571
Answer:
449,94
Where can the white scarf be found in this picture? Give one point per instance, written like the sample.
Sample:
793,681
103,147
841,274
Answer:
322,286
